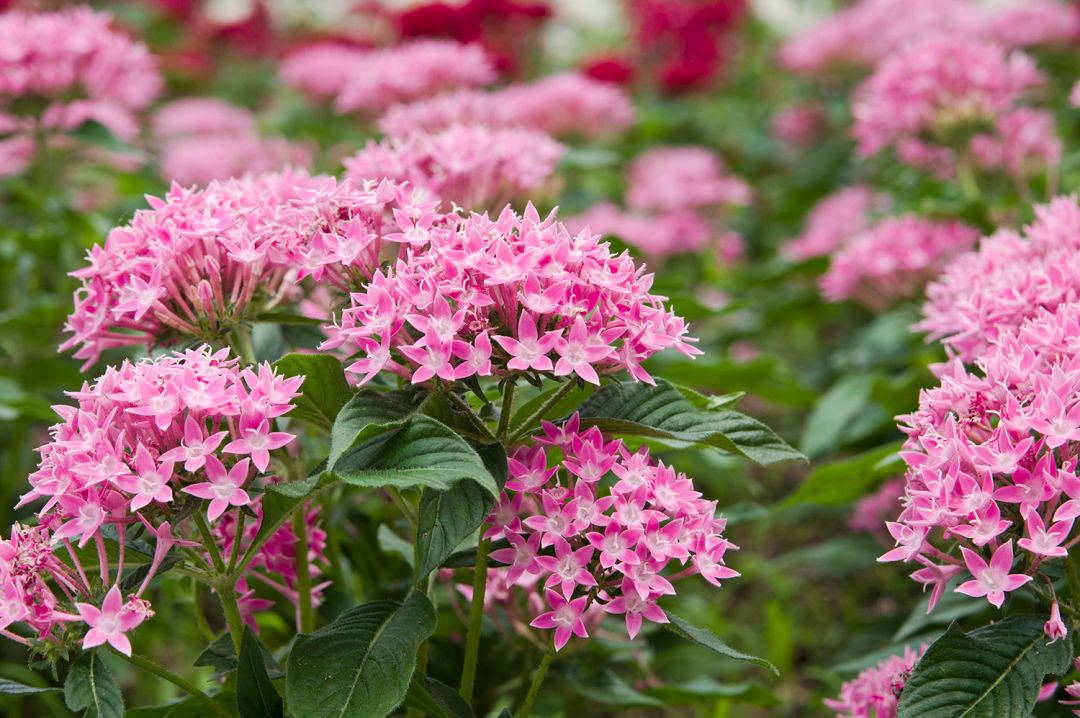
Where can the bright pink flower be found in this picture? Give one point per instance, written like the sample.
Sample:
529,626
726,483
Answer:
257,440
992,580
1055,627
223,488
110,623
567,567
876,690
564,617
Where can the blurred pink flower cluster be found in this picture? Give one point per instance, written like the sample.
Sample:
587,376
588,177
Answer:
875,691
835,220
677,199
138,439
564,105
481,296
475,167
990,292
203,139
992,461
605,548
893,259
201,261
59,70
370,81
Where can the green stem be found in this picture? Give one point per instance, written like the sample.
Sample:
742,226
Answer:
405,506
244,347
965,178
211,544
200,617
537,681
233,621
476,621
527,424
151,667
303,573
236,540
471,413
507,407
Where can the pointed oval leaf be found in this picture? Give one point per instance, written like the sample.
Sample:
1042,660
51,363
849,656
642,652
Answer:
14,688
992,672
421,452
367,414
90,686
359,666
663,412
436,699
703,637
324,389
256,696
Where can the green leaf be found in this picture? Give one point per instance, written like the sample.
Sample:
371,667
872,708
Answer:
256,696
14,688
187,708
391,543
420,452
765,376
222,657
992,672
91,687
446,518
608,689
360,665
563,407
663,412
842,415
436,699
702,637
841,482
952,606
368,414
325,390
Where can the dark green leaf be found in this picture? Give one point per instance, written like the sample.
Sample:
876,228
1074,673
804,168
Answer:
662,412
14,688
436,699
993,672
187,708
703,637
325,390
222,657
256,696
841,482
608,689
563,407
360,665
91,687
369,413
421,452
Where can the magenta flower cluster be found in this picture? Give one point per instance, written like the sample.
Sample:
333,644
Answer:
893,259
597,547
475,296
565,105
371,81
474,167
991,455
875,691
990,292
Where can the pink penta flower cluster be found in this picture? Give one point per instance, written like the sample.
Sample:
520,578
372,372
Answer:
991,291
833,221
594,546
204,139
992,459
200,261
370,81
893,260
1024,143
70,67
674,178
875,692
923,99
562,105
1027,23
655,235
139,439
474,167
495,297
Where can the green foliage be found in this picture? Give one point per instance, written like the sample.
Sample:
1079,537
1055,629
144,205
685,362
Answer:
256,696
703,637
90,687
325,390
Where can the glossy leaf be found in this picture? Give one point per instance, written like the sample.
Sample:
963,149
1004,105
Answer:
324,389
703,637
369,413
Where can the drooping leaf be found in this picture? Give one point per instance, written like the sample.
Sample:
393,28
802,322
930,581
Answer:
420,452
841,482
324,389
436,699
369,413
360,665
90,687
662,412
221,656
702,637
14,688
992,672
256,696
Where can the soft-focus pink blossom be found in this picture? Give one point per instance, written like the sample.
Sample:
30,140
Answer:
836,219
874,693
668,179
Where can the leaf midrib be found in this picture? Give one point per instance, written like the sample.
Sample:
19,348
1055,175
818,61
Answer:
363,661
989,689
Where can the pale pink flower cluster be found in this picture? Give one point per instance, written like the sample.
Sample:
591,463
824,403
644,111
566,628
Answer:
655,235
797,125
204,139
1025,143
893,259
476,296
600,546
991,291
870,513
78,68
200,261
472,166
370,81
834,220
875,692
922,99
567,105
992,459
866,32
1027,23
138,439
674,178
